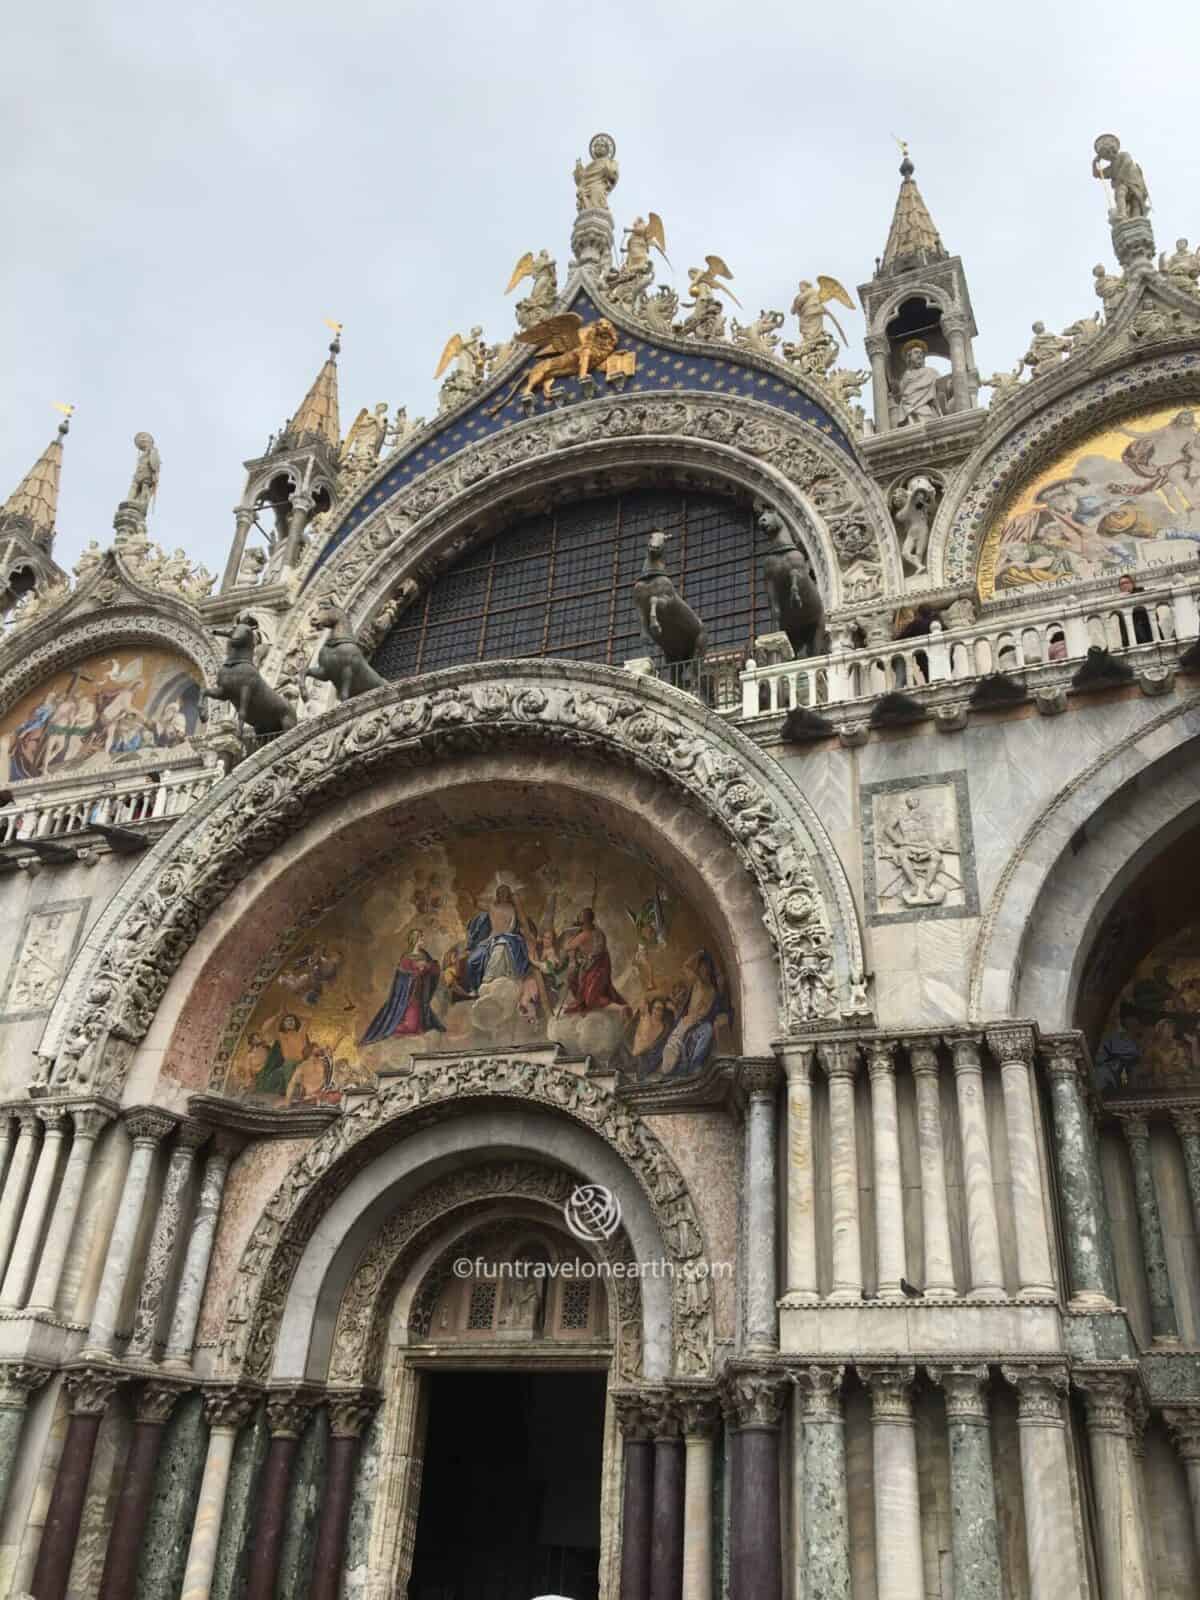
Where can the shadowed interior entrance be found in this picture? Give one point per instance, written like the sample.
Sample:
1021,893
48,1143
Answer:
510,1498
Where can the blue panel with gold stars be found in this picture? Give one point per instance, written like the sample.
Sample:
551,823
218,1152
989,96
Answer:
656,371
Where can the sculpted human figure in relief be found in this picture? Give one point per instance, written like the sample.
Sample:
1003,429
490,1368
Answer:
917,399
1131,198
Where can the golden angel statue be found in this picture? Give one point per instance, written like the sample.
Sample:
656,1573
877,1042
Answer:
567,347
470,357
810,307
707,319
629,283
542,298
704,281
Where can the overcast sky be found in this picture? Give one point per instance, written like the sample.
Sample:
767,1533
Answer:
188,192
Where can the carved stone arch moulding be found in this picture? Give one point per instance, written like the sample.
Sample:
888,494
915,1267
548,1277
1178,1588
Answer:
363,1315
724,439
112,992
1028,434
291,1216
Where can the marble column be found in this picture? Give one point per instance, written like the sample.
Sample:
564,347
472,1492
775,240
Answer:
826,1508
287,1413
801,1221
699,1415
840,1063
189,1297
666,1535
161,1253
33,1215
154,1407
18,1380
349,1415
225,1410
974,1537
147,1127
89,1394
1108,1397
1164,1325
983,1230
899,1569
760,1082
891,1263
1012,1045
935,1209
1184,1423
1055,1570
12,1203
635,1418
87,1124
1087,1237
754,1403
954,326
1187,1126
877,350
8,1139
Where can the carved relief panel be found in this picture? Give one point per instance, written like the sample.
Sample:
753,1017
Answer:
918,850
42,955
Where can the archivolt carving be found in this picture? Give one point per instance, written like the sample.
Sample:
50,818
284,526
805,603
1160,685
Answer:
758,447
1029,434
327,1166
361,1331
157,914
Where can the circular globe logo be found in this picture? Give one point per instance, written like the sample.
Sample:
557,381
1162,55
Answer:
592,1212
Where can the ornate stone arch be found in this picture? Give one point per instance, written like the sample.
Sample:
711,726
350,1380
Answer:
110,996
1041,421
1125,805
707,439
276,1252
465,1197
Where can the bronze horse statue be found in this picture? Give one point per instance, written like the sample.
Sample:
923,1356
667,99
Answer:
341,660
242,685
667,620
794,599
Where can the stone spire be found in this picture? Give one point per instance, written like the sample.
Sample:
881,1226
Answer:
32,507
912,241
317,419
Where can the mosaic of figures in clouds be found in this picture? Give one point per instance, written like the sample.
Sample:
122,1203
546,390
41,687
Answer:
1151,1040
124,703
1127,497
490,941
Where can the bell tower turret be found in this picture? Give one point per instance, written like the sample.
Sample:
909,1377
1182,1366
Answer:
27,526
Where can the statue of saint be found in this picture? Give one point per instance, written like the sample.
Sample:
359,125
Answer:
1110,290
1045,351
917,398
1131,198
145,474
597,180
1182,267
911,844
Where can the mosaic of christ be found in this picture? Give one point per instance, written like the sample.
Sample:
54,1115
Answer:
1152,1037
489,941
1127,497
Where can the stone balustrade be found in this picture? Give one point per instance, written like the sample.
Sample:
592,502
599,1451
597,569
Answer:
120,803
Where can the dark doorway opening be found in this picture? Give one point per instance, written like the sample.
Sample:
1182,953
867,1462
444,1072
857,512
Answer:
510,1498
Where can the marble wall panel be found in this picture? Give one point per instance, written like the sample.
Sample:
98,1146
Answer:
1173,1551
706,1147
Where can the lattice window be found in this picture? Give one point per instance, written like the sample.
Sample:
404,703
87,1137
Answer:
576,1312
482,1310
562,585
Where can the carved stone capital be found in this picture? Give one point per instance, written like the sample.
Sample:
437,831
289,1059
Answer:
147,1125
876,344
635,1414
1108,1397
228,1406
1187,1122
157,1400
29,1121
54,1119
891,1391
89,1122
838,1058
967,1053
953,322
18,1380
754,1399
1065,1057
192,1136
922,1056
797,1062
288,1411
350,1413
90,1389
964,1385
699,1413
758,1077
662,1415
1040,1393
820,1389
1012,1044
881,1058
1184,1424
1136,1129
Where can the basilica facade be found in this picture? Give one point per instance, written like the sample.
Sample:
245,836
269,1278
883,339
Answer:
613,1011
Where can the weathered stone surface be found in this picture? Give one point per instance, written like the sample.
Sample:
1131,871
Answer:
173,1503
237,1525
304,1508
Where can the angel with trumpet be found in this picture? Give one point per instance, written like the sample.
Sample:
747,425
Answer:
707,318
628,283
542,298
817,349
470,357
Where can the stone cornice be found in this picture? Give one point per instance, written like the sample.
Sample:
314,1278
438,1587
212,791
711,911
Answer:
257,1122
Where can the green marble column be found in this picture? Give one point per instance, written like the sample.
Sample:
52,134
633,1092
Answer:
1164,1324
358,1538
973,1532
237,1526
1087,1236
1187,1126
173,1502
304,1508
18,1380
826,1513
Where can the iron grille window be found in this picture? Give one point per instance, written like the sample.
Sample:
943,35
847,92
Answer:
562,585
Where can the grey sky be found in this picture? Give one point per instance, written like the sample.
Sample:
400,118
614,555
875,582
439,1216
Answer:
190,192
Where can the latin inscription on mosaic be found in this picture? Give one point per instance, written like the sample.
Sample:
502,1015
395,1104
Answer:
918,854
490,941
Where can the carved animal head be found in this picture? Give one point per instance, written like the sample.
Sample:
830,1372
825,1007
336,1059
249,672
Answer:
773,525
329,614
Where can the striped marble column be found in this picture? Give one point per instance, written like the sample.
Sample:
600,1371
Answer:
899,1569
935,1208
90,1393
28,1241
1119,1544
840,1063
1164,1324
699,1416
983,1229
87,1124
189,1297
163,1241
1055,1571
974,1538
18,1380
891,1263
801,1224
759,1080
12,1203
154,1406
1184,1423
1012,1045
225,1410
826,1551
